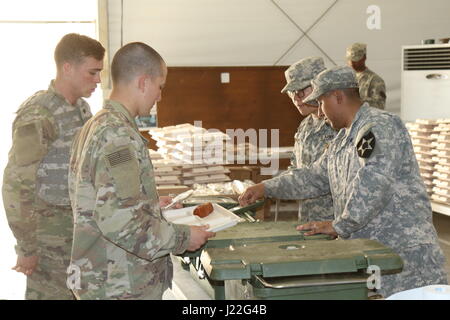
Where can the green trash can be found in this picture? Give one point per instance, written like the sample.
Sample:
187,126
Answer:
299,269
243,234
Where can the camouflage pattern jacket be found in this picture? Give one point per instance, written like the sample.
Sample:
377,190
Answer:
311,141
372,173
36,174
371,88
121,241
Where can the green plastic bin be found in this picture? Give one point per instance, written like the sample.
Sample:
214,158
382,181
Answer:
299,269
243,234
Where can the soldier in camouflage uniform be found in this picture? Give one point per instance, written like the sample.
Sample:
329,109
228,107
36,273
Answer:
372,173
371,87
35,191
121,241
312,137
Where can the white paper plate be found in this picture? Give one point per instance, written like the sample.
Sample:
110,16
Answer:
218,220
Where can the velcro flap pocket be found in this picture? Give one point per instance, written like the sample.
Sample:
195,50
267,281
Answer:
124,169
28,144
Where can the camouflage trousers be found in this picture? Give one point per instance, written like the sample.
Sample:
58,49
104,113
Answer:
54,236
422,266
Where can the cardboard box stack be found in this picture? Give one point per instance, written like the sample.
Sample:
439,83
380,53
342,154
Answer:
441,151
422,136
189,155
168,175
205,174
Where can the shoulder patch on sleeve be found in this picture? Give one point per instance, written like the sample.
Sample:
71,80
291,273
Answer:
27,143
366,145
124,168
119,157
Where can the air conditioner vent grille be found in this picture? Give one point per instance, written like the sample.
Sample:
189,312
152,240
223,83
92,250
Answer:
437,58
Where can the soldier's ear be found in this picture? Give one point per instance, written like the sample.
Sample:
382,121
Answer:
66,68
142,83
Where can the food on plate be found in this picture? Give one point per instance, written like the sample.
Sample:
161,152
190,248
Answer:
203,210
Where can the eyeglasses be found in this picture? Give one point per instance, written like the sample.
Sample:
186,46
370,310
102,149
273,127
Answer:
297,93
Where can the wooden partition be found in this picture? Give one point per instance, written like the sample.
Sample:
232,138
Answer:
251,99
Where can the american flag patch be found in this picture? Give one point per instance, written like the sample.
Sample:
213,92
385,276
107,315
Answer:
119,157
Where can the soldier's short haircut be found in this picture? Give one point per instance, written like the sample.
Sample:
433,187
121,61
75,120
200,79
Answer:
74,47
352,93
134,59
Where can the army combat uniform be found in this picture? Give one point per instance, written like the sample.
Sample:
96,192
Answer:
311,141
371,88
121,241
372,173
35,190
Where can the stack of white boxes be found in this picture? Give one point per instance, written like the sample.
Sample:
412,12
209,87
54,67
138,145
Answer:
423,135
190,155
204,174
441,151
168,174
167,138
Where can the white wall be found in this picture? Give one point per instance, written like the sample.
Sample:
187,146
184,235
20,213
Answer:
27,65
256,32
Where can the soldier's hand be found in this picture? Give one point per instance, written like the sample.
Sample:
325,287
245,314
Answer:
251,194
26,265
199,236
166,200
316,227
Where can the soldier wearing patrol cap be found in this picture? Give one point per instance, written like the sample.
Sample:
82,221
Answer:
372,88
372,173
312,137
35,192
121,241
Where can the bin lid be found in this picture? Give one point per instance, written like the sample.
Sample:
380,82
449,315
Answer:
223,201
249,208
245,233
296,258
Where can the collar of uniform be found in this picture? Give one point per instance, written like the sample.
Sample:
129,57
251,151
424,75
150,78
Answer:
359,118
348,133
320,124
51,88
117,106
359,72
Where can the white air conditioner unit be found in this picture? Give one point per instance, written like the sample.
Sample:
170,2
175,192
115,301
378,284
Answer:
425,82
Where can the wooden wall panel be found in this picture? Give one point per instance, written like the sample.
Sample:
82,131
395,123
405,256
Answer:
252,99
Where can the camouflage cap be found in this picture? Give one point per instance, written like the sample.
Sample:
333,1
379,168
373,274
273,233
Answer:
356,51
299,75
340,77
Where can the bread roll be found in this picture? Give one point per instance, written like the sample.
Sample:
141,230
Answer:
203,210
